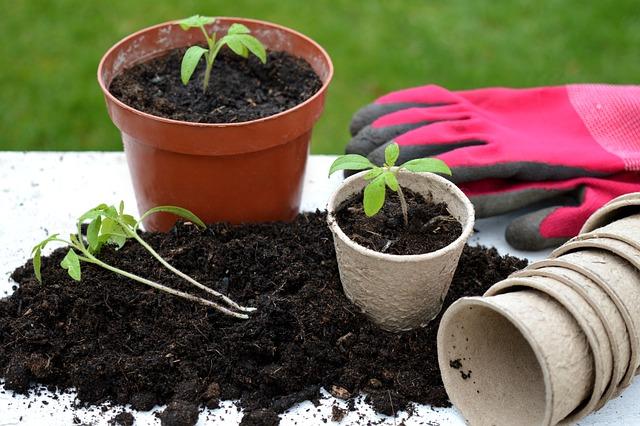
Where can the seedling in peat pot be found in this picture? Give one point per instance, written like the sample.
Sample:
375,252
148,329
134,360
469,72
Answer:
386,176
238,39
108,225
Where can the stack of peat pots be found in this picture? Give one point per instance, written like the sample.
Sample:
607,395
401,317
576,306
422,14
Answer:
557,340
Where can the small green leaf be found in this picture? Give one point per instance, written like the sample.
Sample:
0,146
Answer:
254,46
93,231
374,194
71,263
235,45
178,211
236,28
37,263
42,244
117,240
432,165
128,220
190,62
391,181
351,162
121,207
373,173
112,233
99,210
196,21
391,154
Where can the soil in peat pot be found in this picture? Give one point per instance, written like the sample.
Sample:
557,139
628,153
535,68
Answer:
117,341
431,226
240,89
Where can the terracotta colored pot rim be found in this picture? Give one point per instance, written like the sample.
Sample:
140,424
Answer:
115,100
467,228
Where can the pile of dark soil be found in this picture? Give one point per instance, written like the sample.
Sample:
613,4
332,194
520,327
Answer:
431,226
115,340
239,90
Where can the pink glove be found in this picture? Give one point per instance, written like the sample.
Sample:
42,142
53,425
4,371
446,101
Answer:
550,226
549,133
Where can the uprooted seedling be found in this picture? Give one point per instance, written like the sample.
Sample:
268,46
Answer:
108,225
386,176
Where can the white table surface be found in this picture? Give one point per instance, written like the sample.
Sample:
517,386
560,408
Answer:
44,192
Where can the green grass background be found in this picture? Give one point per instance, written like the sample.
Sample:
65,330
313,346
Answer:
49,99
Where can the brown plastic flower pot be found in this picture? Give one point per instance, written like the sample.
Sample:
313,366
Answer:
237,172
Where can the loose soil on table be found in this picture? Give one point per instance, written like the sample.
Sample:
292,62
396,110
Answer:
431,226
240,89
117,341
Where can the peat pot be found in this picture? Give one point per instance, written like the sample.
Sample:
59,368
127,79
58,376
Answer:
399,292
237,172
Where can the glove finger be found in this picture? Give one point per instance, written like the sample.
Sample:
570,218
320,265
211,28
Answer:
447,112
370,138
429,94
370,113
525,232
553,226
395,124
492,197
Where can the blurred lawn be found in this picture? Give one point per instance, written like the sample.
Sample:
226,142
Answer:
49,99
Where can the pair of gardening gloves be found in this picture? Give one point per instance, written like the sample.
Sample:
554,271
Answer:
572,148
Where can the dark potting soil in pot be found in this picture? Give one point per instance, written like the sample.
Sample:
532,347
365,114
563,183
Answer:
115,340
431,226
240,89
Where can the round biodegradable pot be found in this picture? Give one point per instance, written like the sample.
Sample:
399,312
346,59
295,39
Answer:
237,172
590,323
617,208
604,307
518,358
398,292
626,229
615,268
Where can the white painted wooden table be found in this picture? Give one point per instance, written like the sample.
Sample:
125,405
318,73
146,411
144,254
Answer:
44,192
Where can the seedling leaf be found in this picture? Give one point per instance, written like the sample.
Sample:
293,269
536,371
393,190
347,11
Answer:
71,263
42,244
236,45
391,154
373,173
254,46
374,194
190,62
351,162
93,231
129,220
112,233
391,181
99,210
236,28
37,263
196,21
178,211
432,165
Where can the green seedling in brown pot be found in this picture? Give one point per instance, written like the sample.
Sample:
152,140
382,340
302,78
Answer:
108,225
386,176
238,39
